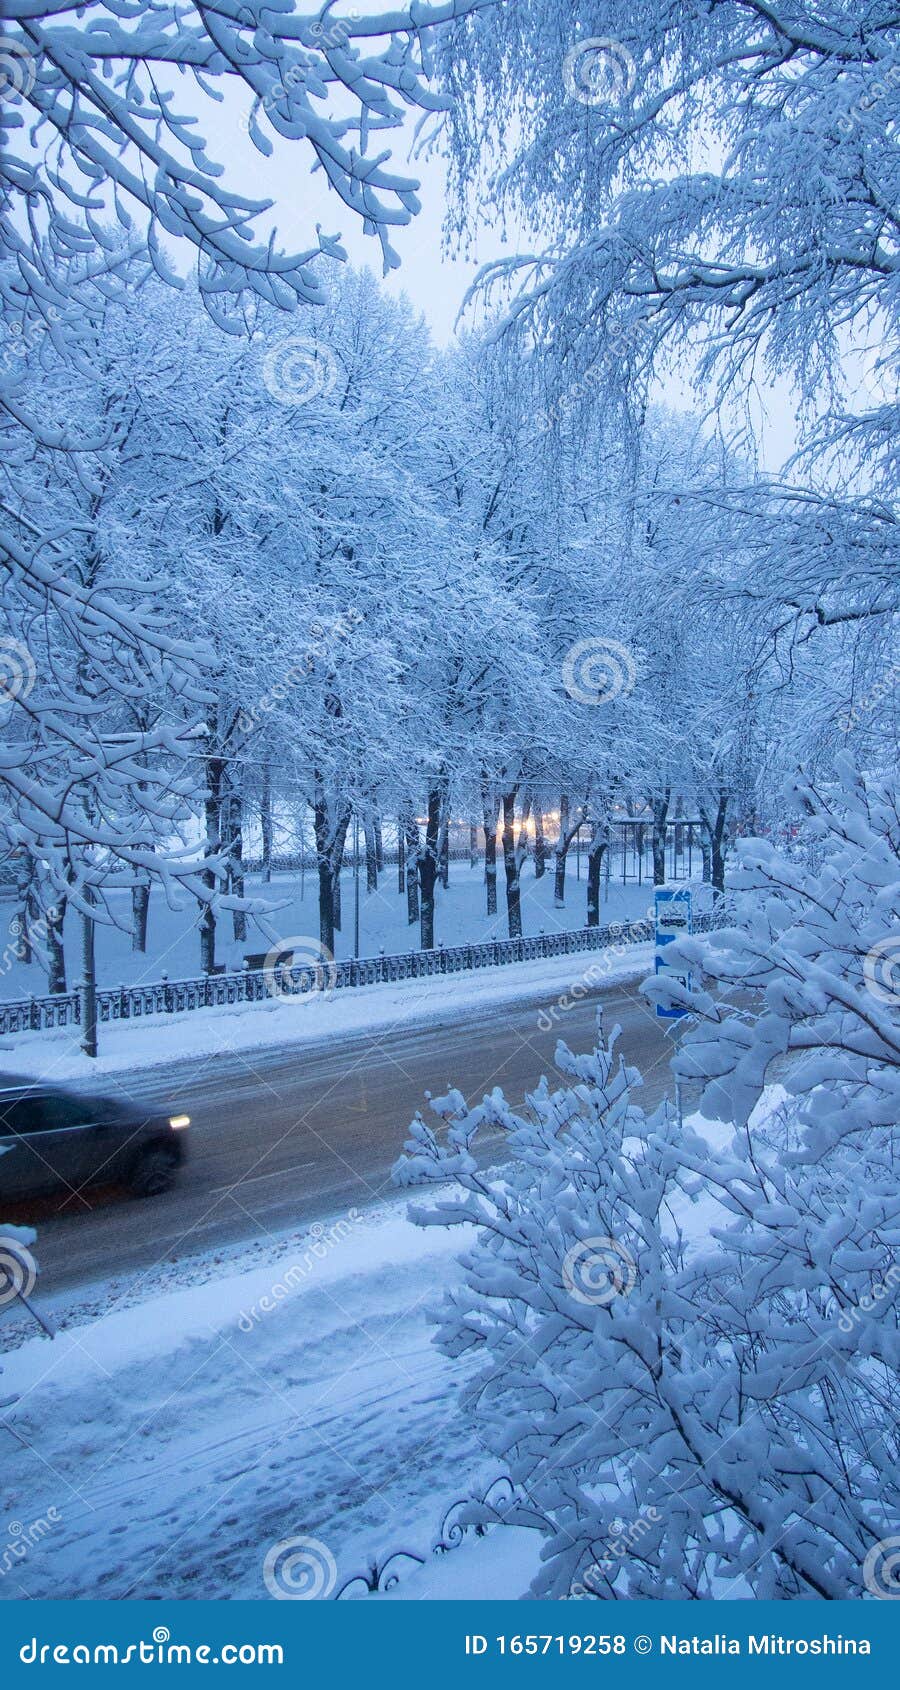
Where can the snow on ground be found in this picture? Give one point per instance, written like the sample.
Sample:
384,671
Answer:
322,1016
165,1448
174,944
498,1567
169,1447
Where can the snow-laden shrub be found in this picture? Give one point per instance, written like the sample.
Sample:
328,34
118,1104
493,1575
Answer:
690,1355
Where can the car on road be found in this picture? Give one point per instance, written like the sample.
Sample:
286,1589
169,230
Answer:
54,1140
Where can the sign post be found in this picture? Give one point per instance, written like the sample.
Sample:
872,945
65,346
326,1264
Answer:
674,917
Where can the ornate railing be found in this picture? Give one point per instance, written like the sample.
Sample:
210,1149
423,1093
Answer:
468,1514
258,985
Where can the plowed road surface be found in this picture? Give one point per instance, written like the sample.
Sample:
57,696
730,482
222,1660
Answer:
280,1139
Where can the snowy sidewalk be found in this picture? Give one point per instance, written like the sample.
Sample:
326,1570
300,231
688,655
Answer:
172,1445
128,1046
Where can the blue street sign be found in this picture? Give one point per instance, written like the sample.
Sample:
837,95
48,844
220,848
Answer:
674,917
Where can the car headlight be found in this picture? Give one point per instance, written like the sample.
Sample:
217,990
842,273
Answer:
178,1122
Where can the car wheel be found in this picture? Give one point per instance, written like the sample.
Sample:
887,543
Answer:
153,1172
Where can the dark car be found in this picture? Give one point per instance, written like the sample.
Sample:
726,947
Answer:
52,1140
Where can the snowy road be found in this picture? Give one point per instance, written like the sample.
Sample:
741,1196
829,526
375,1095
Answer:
282,1137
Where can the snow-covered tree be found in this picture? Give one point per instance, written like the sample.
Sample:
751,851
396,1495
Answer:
688,1346
717,186
93,125
104,713
106,178
735,169
672,1355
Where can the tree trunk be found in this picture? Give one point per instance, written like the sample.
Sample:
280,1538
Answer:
639,833
371,855
489,811
512,865
56,956
88,992
562,849
379,844
473,845
265,822
140,906
428,869
714,840
214,773
337,899
339,844
660,808
21,924
330,840
596,850
236,863
207,939
524,845
401,856
566,835
443,849
412,868
718,843
718,859
325,874
540,849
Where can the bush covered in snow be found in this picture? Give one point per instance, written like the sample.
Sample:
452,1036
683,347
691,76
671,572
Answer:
690,1347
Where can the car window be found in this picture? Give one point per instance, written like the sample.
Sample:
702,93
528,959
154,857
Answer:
59,1110
24,1114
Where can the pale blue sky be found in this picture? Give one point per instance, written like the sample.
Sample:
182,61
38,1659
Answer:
434,282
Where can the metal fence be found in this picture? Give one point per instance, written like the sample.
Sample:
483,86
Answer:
256,985
292,862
